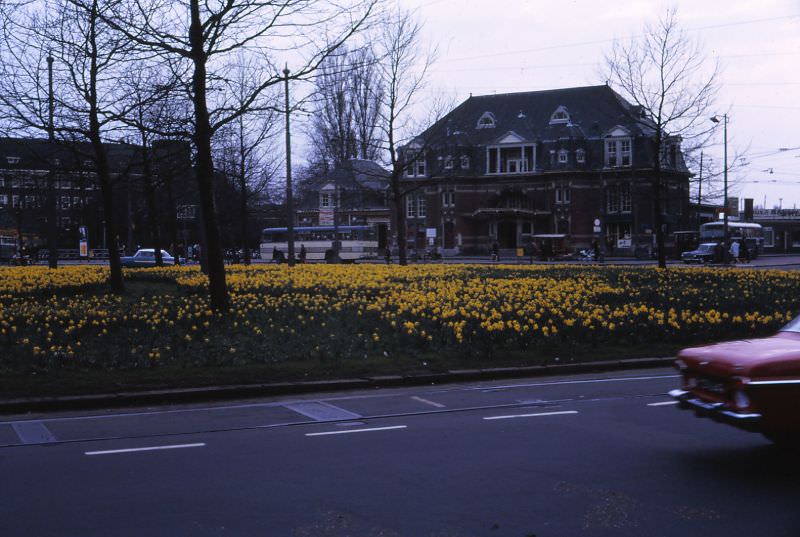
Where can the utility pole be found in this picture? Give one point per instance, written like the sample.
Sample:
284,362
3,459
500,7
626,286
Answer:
715,119
700,191
289,198
51,199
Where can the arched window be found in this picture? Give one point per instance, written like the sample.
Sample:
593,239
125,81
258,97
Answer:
486,121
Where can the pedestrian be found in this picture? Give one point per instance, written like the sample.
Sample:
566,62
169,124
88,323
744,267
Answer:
744,251
495,251
387,255
718,253
302,253
735,252
596,250
610,246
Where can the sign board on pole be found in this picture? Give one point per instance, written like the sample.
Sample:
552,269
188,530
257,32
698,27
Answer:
430,232
186,212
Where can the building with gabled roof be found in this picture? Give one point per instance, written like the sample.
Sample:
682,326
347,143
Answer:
353,193
505,168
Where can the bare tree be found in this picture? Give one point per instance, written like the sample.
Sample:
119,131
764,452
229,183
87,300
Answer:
87,58
665,74
246,147
348,98
402,67
205,35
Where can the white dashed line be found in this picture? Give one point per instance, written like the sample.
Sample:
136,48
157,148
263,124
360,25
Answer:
663,403
358,430
150,448
427,402
531,415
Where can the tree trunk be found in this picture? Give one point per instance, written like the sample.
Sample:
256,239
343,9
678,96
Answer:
657,203
204,167
397,199
101,163
52,219
243,188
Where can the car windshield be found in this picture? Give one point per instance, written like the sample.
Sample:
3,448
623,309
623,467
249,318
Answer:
793,326
706,248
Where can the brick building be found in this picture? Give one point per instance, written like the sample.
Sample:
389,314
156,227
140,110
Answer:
508,168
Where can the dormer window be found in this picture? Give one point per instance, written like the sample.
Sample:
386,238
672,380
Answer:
416,163
417,167
464,162
562,156
12,160
618,148
486,121
449,163
559,116
580,156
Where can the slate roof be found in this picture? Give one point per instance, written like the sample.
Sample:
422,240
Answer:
593,110
353,175
35,154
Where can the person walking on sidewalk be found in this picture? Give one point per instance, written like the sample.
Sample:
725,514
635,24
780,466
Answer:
735,252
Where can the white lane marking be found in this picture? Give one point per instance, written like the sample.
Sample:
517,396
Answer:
564,382
427,402
359,430
531,415
663,403
150,448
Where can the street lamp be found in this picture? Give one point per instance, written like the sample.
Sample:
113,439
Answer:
716,119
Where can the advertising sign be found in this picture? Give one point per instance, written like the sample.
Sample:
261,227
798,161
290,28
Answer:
83,242
326,217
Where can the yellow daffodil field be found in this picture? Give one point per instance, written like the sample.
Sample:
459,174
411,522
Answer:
63,318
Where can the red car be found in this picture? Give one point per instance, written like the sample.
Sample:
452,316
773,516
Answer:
753,384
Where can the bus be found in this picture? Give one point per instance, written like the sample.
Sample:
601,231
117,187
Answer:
354,242
8,247
750,232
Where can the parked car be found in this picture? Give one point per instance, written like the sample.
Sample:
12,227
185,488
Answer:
146,257
753,384
703,254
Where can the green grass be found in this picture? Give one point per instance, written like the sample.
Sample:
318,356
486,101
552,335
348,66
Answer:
64,382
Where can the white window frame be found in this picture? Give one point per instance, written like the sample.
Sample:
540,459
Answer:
448,198
580,156
464,162
449,162
563,157
12,160
618,152
769,237
417,167
411,206
3,201
325,200
486,121
422,209
625,200
559,116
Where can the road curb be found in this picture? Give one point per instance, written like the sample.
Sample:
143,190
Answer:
242,391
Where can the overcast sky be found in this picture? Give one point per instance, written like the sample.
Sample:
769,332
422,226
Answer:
522,45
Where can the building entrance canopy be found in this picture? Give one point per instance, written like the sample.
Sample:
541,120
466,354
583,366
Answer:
504,212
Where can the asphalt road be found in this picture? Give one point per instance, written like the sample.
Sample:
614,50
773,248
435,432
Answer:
605,455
